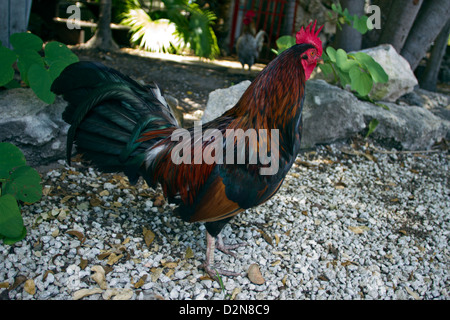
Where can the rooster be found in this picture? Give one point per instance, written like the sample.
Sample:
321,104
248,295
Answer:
248,46
120,126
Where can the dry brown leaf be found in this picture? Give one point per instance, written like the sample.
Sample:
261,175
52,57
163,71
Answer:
348,263
30,286
170,265
276,262
358,229
77,234
113,258
283,281
65,199
265,236
18,281
4,285
189,253
95,202
104,193
83,263
149,236
235,292
254,274
141,281
85,292
159,201
99,276
277,239
156,272
104,255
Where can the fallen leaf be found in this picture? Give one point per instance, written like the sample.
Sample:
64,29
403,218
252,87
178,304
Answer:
170,265
85,292
18,281
189,253
141,281
265,236
156,272
275,263
348,263
77,234
104,255
403,232
95,202
254,274
30,286
99,276
283,281
277,239
4,285
412,293
235,292
149,236
358,229
83,263
113,258
65,199
104,193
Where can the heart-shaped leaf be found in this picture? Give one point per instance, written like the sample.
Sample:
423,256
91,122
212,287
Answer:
24,184
11,157
7,58
11,222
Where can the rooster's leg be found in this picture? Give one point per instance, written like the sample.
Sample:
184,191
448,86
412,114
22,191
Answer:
226,248
209,262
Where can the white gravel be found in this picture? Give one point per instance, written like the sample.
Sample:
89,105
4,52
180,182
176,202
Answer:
343,226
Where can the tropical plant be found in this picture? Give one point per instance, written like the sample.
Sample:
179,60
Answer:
19,184
38,66
193,26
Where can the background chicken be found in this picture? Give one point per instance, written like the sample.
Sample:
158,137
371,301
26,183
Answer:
119,125
248,46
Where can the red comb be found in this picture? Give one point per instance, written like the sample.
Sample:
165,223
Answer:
309,35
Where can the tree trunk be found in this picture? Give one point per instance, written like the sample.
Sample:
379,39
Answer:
432,16
372,37
400,20
349,38
429,78
102,38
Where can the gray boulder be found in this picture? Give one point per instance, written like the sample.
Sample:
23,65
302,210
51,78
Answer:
331,114
401,78
221,100
33,126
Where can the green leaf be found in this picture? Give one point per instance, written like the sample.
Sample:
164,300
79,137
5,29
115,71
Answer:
285,42
25,40
7,58
361,81
24,185
11,157
343,62
27,58
326,68
360,24
375,69
41,82
11,222
57,52
10,241
372,126
331,52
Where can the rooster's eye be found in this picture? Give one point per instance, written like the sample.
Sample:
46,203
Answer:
312,53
